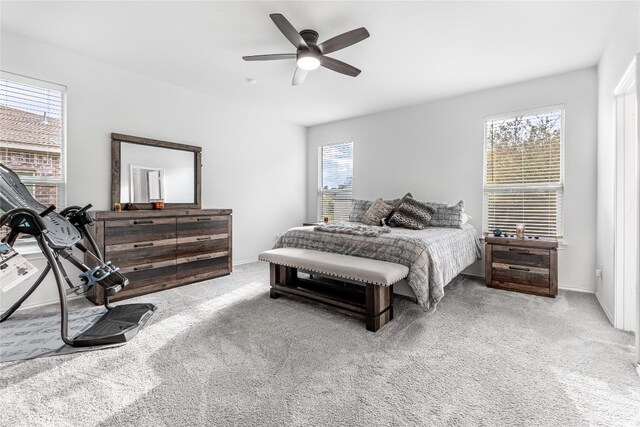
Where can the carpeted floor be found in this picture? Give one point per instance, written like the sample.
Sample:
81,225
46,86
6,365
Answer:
222,353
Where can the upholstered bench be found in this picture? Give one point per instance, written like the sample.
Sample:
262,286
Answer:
361,287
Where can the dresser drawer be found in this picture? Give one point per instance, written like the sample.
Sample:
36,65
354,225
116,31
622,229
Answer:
150,273
531,257
212,264
530,276
132,254
203,225
198,245
139,230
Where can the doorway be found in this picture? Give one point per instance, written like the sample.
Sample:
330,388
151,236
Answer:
626,313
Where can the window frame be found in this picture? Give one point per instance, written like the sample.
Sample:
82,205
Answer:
320,190
559,188
26,245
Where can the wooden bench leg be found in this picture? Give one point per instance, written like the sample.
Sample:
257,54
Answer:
379,301
281,275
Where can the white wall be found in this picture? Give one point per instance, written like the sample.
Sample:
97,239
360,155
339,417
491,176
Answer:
435,150
253,162
623,45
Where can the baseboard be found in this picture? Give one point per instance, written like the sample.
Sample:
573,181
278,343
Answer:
570,288
604,309
478,275
246,261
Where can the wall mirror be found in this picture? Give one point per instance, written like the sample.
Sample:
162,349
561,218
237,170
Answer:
146,170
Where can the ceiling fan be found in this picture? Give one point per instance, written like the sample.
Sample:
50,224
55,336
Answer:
309,54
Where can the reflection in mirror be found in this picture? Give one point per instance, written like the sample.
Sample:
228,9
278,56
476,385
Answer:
146,184
149,173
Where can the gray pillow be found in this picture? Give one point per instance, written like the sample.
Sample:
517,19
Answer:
446,215
378,211
358,209
411,214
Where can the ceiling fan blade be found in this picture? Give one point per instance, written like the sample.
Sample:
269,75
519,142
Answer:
339,66
298,76
343,40
289,31
270,57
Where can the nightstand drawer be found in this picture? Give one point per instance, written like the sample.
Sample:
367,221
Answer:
530,276
521,256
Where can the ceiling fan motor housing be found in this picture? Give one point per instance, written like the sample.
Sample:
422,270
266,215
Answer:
310,37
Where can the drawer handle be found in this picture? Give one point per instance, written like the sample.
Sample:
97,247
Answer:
142,245
200,258
142,221
204,238
518,268
203,219
523,251
143,267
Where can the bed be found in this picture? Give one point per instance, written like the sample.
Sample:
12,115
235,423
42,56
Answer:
434,255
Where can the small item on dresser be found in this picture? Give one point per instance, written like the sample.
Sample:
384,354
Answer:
326,220
131,207
117,207
520,231
497,232
158,205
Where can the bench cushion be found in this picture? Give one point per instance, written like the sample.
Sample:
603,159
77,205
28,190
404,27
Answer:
348,267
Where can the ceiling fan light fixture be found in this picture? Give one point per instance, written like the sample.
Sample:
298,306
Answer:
308,62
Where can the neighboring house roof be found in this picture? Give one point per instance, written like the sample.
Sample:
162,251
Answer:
27,131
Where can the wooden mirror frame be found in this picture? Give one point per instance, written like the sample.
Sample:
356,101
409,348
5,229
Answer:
117,139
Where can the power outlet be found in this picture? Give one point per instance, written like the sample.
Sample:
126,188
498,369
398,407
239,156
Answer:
599,272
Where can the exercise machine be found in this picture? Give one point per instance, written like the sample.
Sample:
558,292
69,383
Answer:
57,235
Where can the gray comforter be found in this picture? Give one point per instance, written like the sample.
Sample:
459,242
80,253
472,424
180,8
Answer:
434,255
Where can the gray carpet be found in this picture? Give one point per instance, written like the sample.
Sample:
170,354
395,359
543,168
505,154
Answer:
223,353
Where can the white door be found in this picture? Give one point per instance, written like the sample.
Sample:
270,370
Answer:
627,223
630,211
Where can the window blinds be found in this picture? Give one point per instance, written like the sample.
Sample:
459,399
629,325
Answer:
336,179
523,173
32,136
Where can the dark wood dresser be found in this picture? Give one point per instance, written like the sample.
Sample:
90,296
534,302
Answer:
158,250
524,265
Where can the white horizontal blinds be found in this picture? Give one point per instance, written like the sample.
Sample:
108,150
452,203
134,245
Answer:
523,173
336,181
32,136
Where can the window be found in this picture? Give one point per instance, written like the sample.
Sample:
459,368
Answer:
32,135
523,182
335,180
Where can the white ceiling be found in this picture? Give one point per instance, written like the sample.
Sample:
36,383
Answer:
417,52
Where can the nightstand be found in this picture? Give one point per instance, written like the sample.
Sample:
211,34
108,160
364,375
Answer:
522,264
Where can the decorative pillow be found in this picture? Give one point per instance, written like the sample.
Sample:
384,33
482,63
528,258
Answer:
358,209
411,214
395,203
378,211
446,215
